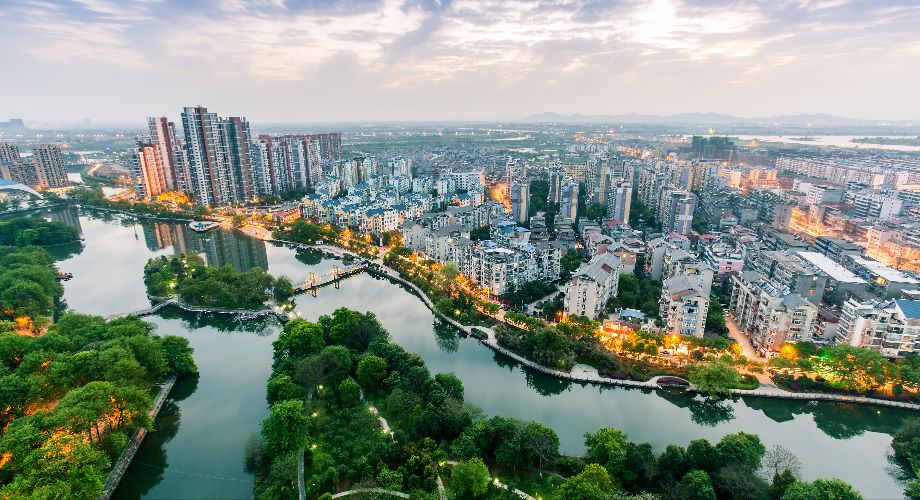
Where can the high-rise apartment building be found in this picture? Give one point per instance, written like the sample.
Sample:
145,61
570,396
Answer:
769,315
596,176
208,166
555,180
520,201
147,171
171,152
891,327
9,153
236,141
619,201
568,201
683,305
676,211
49,166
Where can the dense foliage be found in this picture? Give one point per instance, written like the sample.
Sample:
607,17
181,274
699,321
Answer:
72,398
28,284
26,231
559,346
327,374
196,283
835,368
321,371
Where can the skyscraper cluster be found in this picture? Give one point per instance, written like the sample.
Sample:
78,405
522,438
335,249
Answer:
218,160
44,169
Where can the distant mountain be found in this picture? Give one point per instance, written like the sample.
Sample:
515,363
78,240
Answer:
816,120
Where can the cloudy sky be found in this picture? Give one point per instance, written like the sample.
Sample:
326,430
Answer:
362,60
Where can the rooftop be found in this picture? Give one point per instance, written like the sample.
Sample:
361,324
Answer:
831,268
881,270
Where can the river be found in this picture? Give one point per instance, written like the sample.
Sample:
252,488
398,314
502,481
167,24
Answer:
197,449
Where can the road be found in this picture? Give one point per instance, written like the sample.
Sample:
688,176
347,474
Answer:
735,333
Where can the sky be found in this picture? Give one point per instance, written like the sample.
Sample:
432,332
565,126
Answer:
277,61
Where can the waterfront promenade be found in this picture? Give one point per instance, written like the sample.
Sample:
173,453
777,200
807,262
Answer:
588,374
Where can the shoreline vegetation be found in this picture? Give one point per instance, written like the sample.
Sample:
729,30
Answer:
365,413
74,397
892,141
195,283
722,364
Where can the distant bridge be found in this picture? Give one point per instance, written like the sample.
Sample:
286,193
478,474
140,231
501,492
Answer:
316,281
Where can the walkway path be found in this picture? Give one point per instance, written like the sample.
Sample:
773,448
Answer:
173,301
371,490
131,449
589,374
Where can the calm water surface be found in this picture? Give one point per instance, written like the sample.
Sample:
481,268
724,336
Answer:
197,451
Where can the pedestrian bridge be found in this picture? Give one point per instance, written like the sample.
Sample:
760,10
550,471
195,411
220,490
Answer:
316,281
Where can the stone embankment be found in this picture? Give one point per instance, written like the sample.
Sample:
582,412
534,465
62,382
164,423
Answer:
131,449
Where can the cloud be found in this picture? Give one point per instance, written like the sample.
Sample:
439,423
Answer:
555,48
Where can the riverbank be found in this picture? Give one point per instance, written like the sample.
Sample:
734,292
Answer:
127,455
203,427
162,302
588,374
580,373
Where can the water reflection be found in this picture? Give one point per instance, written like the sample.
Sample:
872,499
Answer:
218,248
447,337
229,402
150,462
261,326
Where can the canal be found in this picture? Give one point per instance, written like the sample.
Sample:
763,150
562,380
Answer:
197,449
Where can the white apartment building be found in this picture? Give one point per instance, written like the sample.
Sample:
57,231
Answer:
891,327
592,285
769,315
876,206
683,306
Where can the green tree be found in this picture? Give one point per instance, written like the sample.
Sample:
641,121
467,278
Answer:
702,455
671,465
742,449
470,478
854,368
281,387
371,371
64,467
282,289
715,378
607,447
450,384
178,354
695,485
349,393
450,271
906,445
298,338
285,428
592,483
830,489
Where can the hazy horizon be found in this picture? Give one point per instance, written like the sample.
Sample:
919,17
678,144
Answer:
372,61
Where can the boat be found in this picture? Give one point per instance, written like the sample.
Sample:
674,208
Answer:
202,226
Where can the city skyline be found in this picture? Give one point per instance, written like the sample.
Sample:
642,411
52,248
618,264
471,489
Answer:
459,61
